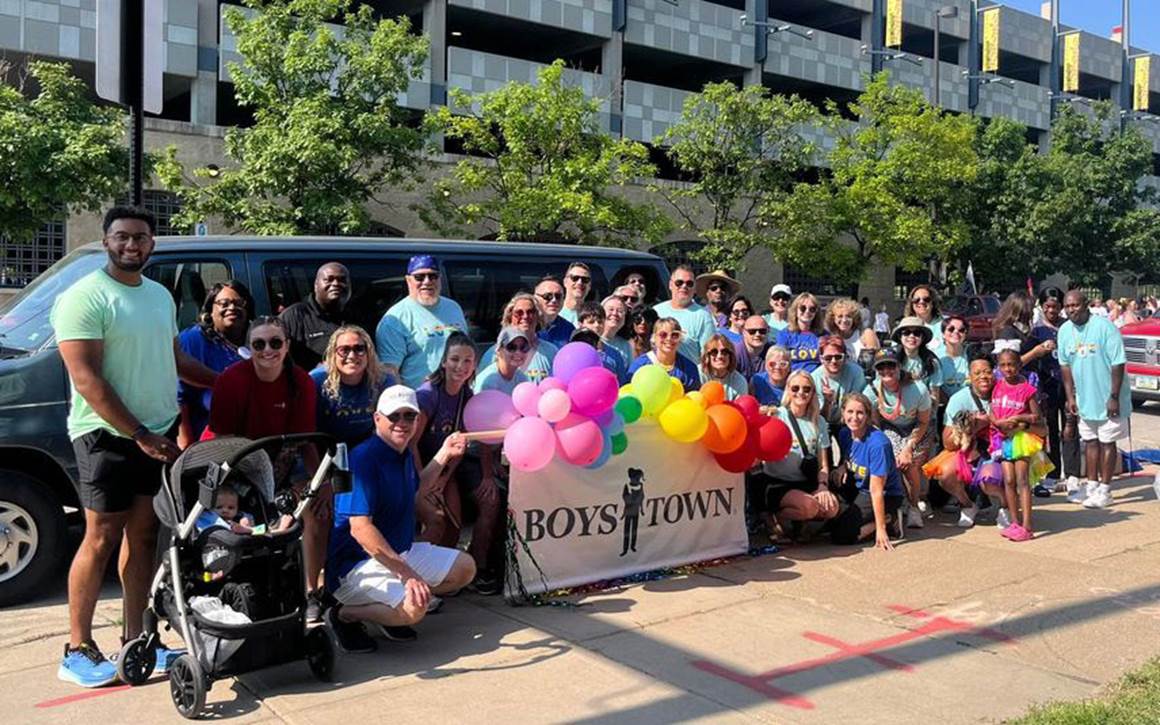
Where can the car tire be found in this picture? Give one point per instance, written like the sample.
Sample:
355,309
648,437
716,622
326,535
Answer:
32,536
1138,403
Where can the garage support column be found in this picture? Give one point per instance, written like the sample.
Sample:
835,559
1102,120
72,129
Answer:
435,27
612,69
204,87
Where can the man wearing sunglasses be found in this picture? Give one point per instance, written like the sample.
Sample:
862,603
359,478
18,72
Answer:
378,572
697,323
411,335
311,322
556,330
577,283
630,296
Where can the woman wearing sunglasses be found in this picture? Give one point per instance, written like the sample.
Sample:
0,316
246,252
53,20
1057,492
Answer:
506,369
641,331
523,313
953,360
844,319
666,341
737,311
918,361
836,377
347,385
719,362
800,337
778,316
923,304
768,386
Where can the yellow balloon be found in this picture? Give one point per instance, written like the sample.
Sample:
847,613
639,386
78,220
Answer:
684,421
697,398
625,389
676,392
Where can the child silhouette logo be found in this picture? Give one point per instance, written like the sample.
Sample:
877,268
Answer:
633,496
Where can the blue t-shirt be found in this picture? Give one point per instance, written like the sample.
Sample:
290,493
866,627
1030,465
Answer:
915,398
411,337
956,371
765,391
871,456
1091,351
538,364
622,346
349,417
684,370
384,486
217,355
490,378
697,324
612,360
803,349
558,333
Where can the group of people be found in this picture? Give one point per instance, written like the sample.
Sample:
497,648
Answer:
1125,310
865,409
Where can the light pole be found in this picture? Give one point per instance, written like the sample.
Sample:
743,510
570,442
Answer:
946,11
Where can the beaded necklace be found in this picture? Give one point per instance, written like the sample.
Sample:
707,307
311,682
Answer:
887,411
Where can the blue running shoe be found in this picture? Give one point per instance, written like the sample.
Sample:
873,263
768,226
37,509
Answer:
86,666
165,658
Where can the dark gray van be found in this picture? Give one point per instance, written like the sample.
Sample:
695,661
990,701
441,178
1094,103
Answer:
38,497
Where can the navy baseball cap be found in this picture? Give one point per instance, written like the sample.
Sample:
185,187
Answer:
421,262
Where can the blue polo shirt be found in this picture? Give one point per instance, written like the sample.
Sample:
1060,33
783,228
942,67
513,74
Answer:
871,456
559,333
385,483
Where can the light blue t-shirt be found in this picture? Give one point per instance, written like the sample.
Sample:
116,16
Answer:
490,378
1091,350
570,315
697,324
411,337
961,401
917,370
735,384
936,342
775,325
956,371
817,439
851,379
537,366
915,399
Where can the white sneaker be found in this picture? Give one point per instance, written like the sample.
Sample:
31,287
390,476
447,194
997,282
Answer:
924,508
1080,493
1065,485
914,519
967,517
1003,520
1100,498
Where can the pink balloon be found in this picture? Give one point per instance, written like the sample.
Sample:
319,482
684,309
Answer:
529,444
489,410
550,383
579,440
572,358
593,391
554,405
526,396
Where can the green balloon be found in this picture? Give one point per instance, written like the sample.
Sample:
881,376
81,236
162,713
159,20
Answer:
619,443
629,408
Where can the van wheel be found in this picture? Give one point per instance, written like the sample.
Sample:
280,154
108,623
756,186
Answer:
32,536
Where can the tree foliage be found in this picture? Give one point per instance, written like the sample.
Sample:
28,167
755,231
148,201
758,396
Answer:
539,167
892,177
327,135
742,150
58,150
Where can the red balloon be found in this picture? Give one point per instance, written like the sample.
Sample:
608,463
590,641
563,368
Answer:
748,406
773,439
739,461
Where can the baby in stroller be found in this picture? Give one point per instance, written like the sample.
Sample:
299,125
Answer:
226,514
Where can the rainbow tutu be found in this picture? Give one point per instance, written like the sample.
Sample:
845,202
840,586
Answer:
1018,447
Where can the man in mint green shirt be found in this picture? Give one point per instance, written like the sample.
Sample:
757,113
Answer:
117,335
410,338
1091,357
697,323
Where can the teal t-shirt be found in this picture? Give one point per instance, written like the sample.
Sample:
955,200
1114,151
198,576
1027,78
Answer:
138,325
570,315
490,379
735,384
961,401
915,399
851,379
1090,351
538,365
917,369
956,372
775,326
936,342
411,337
817,439
697,324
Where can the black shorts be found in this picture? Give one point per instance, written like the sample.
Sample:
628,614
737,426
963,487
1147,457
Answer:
114,471
767,491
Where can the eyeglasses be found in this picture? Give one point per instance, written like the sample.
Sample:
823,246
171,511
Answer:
808,308
580,278
920,300
520,312
956,330
517,346
683,283
675,335
833,358
801,389
359,349
425,276
227,304
259,344
719,352
550,296
910,332
743,312
406,416
123,238
757,330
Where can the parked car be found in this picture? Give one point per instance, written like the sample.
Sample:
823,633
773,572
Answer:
38,473
979,312
1142,350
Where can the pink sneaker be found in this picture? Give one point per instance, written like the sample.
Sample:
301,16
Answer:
1022,534
1012,532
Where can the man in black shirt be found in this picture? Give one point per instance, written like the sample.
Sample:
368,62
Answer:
311,322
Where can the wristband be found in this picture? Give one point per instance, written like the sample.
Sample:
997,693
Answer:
139,431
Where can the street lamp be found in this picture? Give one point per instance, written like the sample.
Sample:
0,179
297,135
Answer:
946,11
773,28
891,55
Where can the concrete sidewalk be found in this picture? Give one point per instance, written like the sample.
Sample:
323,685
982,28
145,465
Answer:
954,626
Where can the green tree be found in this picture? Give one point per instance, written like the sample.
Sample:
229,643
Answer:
741,149
892,177
58,150
327,136
539,168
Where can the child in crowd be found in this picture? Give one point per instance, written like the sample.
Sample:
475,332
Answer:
1015,422
226,514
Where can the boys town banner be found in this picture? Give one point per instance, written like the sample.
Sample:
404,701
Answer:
659,504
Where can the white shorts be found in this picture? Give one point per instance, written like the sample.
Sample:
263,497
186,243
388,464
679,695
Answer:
1105,431
372,583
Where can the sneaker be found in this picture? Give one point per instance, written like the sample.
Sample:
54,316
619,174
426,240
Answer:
914,519
924,508
967,517
1066,484
165,658
1012,531
399,634
1080,493
487,585
86,666
1099,498
1043,490
1003,519
314,606
351,636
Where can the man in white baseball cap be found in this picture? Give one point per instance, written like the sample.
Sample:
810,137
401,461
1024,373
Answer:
377,571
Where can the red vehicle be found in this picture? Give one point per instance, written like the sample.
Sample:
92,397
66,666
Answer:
979,312
1142,349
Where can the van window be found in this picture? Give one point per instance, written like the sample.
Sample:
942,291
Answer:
376,284
188,281
24,324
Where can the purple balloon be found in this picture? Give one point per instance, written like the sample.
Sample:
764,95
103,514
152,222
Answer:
489,410
572,358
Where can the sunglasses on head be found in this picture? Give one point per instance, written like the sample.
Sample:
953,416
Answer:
550,296
893,367
258,344
683,283
406,416
517,346
425,276
359,349
580,278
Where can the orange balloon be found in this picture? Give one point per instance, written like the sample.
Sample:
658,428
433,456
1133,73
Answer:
727,429
714,392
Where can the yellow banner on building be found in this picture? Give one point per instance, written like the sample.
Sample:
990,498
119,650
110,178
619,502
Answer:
991,40
1071,63
894,23
1141,90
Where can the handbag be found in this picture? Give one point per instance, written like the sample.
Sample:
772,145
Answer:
809,465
